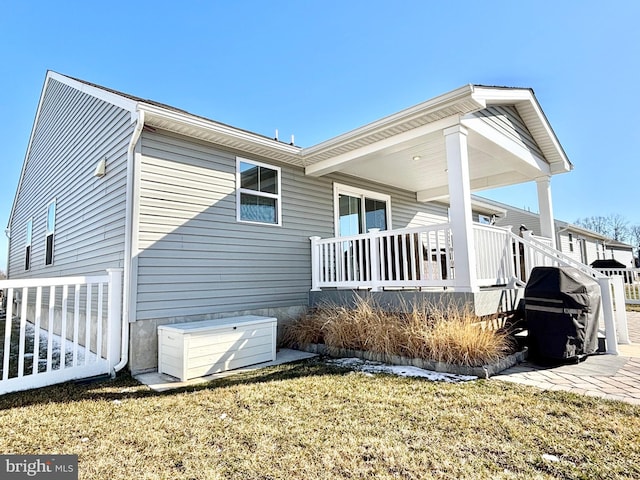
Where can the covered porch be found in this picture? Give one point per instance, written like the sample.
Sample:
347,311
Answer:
472,139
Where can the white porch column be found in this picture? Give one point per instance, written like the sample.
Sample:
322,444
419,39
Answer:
460,209
545,206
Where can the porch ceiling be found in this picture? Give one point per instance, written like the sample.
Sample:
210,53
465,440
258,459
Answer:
414,159
490,166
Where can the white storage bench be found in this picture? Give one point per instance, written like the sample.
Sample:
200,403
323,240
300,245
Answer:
195,349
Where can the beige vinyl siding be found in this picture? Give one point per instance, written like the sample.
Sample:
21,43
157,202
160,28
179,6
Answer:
507,120
74,130
196,259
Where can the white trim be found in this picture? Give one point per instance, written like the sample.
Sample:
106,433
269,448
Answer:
97,92
28,243
454,97
339,188
490,133
334,163
48,232
239,190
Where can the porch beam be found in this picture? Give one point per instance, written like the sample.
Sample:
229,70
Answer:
482,183
530,159
460,213
333,164
545,206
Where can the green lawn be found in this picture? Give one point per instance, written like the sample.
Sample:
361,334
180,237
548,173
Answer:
312,421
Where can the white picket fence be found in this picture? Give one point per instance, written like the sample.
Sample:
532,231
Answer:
60,329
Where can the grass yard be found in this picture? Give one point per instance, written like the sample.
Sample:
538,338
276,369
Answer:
313,421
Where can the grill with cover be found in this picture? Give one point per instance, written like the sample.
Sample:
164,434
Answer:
563,311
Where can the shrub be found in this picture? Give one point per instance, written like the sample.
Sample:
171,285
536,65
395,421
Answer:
444,333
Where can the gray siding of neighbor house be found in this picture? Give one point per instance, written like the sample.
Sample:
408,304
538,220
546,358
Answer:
195,260
507,120
517,217
74,131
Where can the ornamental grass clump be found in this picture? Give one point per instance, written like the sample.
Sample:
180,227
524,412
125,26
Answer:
443,333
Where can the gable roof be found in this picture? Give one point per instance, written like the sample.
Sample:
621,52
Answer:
409,122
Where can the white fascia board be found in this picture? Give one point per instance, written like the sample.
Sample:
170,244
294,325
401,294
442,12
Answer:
329,165
487,207
487,131
109,97
424,108
502,95
182,118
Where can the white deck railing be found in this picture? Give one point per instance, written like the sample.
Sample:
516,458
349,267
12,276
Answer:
423,257
631,280
536,253
59,329
411,257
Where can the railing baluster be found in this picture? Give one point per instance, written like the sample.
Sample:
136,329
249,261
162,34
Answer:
50,329
99,321
76,323
87,322
36,334
7,334
24,299
63,327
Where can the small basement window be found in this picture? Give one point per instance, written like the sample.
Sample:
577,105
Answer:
51,228
258,193
27,245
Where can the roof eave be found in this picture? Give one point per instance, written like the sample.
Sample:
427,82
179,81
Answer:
209,130
461,99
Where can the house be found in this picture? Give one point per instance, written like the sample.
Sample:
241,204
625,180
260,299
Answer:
208,220
584,245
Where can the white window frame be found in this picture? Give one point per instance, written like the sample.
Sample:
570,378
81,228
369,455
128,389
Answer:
27,244
571,245
240,190
50,232
339,188
484,219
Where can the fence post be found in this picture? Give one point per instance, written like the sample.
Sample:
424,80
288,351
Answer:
114,316
374,249
315,263
609,315
621,312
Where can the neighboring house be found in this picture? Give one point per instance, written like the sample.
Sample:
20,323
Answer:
584,246
208,220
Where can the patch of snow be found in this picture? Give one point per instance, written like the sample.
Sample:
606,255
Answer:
550,458
369,367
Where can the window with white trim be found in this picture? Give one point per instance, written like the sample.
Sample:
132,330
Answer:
357,210
571,246
51,229
27,245
258,192
484,219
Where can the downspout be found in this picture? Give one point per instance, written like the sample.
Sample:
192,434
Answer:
128,235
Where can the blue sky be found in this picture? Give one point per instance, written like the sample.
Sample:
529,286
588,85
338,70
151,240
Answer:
318,69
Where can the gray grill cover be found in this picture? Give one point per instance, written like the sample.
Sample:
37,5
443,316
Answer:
563,311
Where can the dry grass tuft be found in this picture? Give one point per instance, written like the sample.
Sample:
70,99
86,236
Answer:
445,333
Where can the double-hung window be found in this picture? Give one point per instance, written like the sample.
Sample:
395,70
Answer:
357,211
258,192
51,228
27,245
